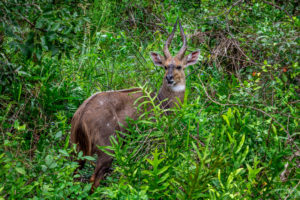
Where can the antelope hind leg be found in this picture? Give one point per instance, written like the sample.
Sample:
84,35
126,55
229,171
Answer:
103,164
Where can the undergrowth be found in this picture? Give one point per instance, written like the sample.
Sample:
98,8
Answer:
235,136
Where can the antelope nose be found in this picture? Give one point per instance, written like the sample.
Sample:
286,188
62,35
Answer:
169,77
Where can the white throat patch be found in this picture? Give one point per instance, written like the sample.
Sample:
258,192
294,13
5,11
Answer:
178,88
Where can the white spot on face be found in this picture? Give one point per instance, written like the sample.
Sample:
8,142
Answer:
114,118
107,124
178,88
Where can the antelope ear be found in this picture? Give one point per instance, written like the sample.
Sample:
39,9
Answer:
192,58
157,59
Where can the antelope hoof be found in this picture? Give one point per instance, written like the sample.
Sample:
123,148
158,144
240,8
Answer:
94,186
92,189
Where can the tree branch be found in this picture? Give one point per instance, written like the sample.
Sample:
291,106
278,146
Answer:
32,24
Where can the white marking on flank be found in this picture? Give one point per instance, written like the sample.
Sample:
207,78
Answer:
101,102
178,88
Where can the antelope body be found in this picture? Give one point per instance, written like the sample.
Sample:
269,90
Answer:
101,115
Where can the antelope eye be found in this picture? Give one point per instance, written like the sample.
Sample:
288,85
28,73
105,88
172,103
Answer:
178,67
166,68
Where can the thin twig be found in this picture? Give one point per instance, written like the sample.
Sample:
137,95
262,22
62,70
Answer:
32,24
269,130
292,191
234,4
227,13
195,138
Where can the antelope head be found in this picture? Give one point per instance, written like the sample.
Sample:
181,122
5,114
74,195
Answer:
174,77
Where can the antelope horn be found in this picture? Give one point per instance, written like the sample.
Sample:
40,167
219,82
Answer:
168,42
184,45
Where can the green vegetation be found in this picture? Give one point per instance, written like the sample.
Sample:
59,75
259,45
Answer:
235,137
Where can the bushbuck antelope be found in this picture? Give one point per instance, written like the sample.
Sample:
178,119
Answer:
104,113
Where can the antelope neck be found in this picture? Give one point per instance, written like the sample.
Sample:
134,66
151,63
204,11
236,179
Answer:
170,93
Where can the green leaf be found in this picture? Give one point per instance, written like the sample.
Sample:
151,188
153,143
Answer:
226,120
230,178
44,43
64,152
240,144
162,170
48,160
58,134
274,129
21,170
89,158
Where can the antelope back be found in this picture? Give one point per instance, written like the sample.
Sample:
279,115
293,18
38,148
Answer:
100,116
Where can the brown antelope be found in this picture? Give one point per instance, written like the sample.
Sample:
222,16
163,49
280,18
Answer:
104,113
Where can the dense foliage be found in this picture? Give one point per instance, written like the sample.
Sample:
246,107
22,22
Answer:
236,135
